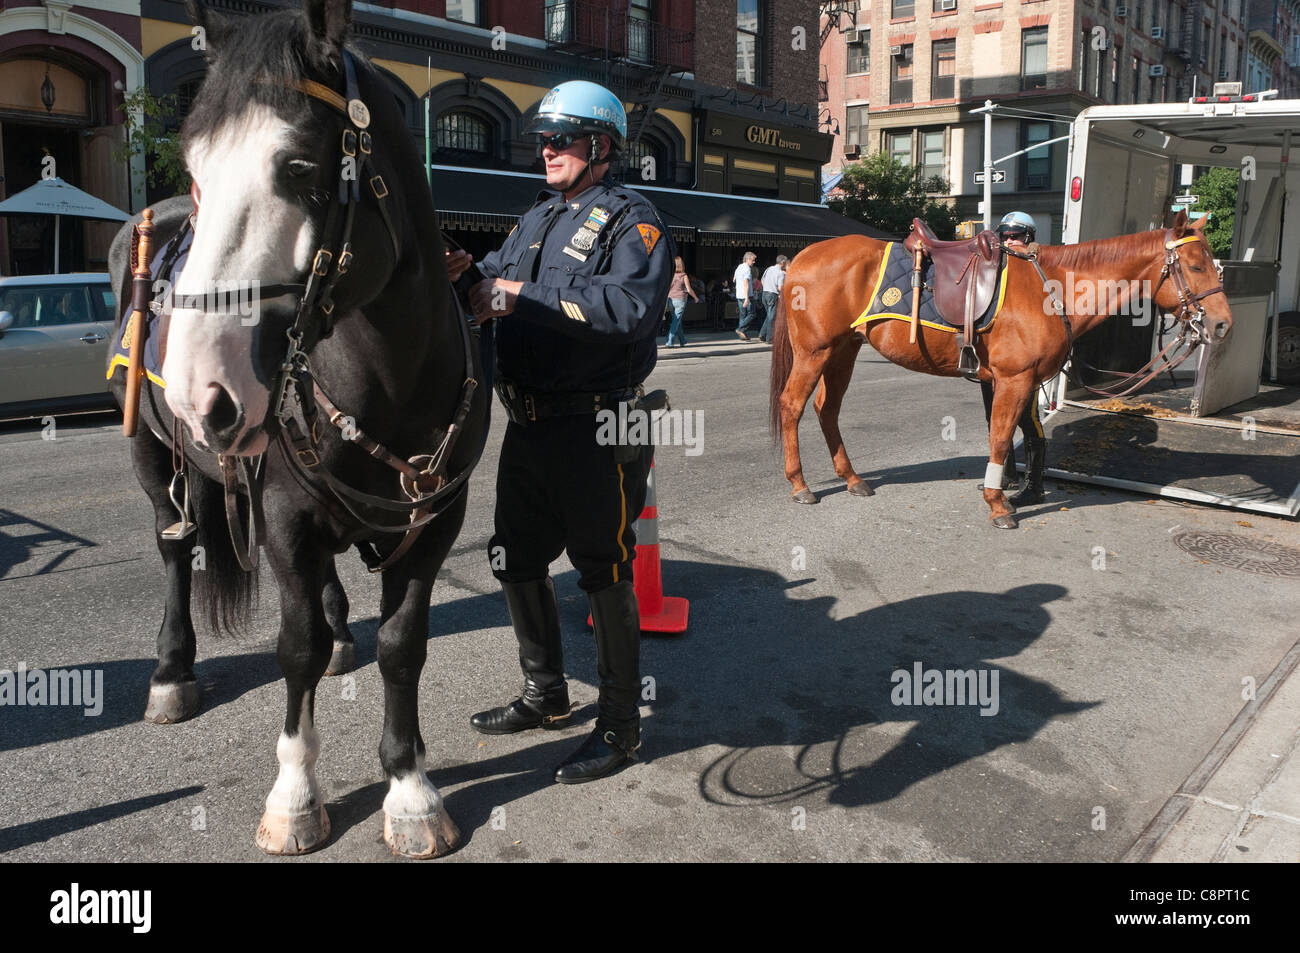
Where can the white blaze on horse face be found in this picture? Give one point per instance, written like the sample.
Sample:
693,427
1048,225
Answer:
247,235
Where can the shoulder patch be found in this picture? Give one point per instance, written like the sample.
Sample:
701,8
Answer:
649,235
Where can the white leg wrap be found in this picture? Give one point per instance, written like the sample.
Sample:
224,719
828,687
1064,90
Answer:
993,476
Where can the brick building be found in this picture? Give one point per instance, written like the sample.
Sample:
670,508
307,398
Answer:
902,76
721,98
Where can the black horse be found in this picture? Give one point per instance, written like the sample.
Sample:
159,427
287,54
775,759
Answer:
344,411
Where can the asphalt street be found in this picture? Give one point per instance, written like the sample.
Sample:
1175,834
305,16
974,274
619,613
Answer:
774,730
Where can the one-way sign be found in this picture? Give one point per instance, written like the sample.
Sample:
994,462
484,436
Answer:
999,175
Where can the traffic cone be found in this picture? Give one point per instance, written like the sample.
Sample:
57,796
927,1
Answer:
659,613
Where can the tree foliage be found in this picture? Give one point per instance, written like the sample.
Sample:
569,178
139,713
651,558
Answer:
152,130
887,194
1217,191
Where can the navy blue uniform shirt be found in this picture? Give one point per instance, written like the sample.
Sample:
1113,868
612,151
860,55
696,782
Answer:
589,320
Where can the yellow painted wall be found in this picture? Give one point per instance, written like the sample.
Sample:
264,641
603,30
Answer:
417,78
155,34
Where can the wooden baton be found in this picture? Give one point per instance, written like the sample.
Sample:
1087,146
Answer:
141,292
916,294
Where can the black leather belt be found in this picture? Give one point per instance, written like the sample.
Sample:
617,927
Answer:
524,408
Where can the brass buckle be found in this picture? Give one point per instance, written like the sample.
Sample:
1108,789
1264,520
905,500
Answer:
308,457
530,409
321,266
350,142
345,259
378,187
365,142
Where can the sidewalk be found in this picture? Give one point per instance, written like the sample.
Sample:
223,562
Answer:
1242,803
711,344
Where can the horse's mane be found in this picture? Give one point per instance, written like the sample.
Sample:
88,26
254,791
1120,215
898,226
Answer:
1099,252
258,61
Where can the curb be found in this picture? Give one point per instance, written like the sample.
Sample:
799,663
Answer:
711,350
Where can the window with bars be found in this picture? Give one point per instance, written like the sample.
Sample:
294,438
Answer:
635,161
943,73
185,93
900,75
1033,58
462,132
749,48
639,18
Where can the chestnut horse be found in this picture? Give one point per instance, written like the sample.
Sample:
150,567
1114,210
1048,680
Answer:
828,286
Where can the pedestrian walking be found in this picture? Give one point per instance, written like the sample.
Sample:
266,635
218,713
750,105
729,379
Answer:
746,295
578,290
773,279
677,292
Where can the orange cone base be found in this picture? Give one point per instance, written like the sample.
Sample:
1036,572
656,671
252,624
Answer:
671,617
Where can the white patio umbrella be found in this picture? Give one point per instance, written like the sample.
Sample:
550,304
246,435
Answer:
55,197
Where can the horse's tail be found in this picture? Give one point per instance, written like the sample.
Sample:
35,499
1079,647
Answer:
225,592
782,364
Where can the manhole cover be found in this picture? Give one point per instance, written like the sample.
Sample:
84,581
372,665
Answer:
1240,552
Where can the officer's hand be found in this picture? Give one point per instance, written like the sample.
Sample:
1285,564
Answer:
457,263
493,298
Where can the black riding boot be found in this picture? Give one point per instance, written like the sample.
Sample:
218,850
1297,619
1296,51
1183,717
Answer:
618,727
1031,488
545,699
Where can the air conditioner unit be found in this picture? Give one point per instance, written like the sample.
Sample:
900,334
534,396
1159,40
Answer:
1121,11
1156,69
852,152
947,4
1157,33
895,51
855,37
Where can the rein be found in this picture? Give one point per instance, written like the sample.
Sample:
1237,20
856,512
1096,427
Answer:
1190,313
298,398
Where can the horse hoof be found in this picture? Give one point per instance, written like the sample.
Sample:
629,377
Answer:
432,835
172,702
1005,522
804,496
860,489
343,660
291,834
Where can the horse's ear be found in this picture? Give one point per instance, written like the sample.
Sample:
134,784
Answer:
329,21
1200,221
212,27
1180,223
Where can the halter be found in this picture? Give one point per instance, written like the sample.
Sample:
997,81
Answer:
297,398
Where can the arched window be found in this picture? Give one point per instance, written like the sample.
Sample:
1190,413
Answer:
185,93
645,161
462,132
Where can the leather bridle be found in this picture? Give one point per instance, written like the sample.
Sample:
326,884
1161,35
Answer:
298,399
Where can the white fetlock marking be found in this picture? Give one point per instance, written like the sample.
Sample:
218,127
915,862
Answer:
412,795
296,790
993,476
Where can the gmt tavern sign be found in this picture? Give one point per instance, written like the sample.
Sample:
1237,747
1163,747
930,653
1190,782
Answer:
740,132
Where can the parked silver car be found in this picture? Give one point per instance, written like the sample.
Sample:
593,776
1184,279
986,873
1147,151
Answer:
55,332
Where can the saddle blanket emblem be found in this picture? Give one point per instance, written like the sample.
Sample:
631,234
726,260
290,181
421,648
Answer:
152,359
893,288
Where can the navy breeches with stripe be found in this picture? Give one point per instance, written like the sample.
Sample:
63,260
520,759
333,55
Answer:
558,490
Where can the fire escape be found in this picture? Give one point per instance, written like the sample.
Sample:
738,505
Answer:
636,54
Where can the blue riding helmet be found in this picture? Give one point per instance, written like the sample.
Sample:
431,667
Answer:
577,107
1016,222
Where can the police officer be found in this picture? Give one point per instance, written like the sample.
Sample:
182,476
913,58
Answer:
1018,230
578,290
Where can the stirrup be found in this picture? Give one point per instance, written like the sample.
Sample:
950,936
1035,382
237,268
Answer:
186,525
968,362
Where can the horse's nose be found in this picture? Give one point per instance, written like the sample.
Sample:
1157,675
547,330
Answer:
223,418
1220,328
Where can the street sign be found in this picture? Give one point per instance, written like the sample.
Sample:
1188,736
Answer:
999,175
1187,199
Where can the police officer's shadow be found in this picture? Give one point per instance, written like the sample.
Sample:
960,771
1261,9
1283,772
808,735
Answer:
804,704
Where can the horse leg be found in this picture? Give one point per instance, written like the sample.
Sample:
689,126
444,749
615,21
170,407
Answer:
1009,399
295,821
344,657
415,822
835,381
807,369
173,690
1031,491
1010,481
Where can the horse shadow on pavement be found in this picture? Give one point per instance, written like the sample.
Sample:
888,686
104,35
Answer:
804,703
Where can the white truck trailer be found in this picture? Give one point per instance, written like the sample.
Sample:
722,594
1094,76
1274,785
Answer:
1224,428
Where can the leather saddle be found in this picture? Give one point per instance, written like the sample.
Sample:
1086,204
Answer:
964,277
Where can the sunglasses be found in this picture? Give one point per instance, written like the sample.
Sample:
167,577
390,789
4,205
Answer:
561,141
1015,235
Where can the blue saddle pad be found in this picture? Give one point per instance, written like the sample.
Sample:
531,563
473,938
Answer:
891,298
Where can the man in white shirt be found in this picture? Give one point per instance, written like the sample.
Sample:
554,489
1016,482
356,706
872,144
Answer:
773,279
744,282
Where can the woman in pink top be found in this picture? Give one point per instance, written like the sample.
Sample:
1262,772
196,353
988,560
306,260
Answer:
677,292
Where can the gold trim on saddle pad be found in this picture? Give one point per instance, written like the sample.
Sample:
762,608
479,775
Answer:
864,318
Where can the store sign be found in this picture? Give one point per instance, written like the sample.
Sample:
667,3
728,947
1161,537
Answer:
742,133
